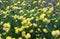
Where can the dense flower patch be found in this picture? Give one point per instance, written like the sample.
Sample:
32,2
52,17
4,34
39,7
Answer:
29,19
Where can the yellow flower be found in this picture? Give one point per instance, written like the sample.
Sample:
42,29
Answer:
34,24
24,14
23,33
23,3
20,17
57,32
5,16
13,38
8,37
1,22
21,11
18,2
32,10
50,3
44,38
46,20
15,16
55,26
54,15
34,2
24,21
53,33
31,30
31,18
15,4
16,29
37,18
44,9
45,30
6,27
39,1
50,10
15,7
7,7
20,38
56,20
38,29
22,28
28,36
42,16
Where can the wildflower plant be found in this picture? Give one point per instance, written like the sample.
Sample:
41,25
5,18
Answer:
29,19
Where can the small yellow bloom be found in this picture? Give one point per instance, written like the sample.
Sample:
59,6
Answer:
5,16
28,36
42,16
1,22
16,29
18,2
38,29
45,30
7,7
23,33
44,38
34,24
23,22
46,20
21,11
34,2
23,3
39,1
55,26
50,10
8,37
31,18
57,32
13,38
20,38
15,7
22,28
31,30
20,17
54,15
53,33
56,20
44,9
6,27
37,18
32,10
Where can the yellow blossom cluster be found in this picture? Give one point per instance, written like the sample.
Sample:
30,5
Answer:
29,19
